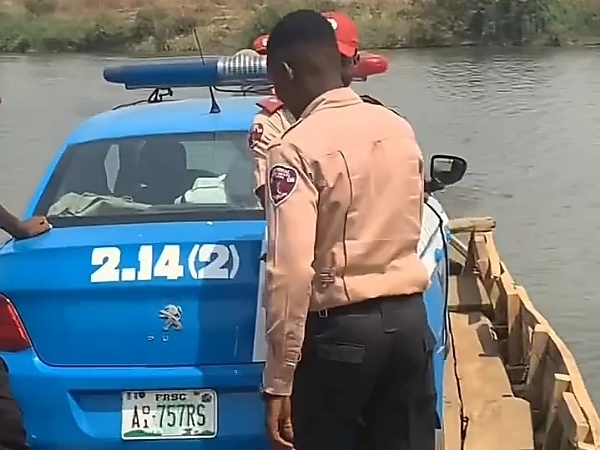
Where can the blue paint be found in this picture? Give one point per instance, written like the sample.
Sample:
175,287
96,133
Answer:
448,233
435,306
92,341
126,313
169,117
79,408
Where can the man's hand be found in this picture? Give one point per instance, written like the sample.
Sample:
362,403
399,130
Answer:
261,194
32,227
279,422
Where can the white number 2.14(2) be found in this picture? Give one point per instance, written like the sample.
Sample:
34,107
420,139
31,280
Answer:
168,266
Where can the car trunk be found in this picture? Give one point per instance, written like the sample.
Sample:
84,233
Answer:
133,314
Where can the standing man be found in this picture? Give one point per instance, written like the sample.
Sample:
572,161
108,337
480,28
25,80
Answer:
12,434
273,118
347,331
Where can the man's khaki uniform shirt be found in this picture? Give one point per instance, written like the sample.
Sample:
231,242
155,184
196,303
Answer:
344,207
268,126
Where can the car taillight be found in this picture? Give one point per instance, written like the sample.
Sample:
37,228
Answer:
13,336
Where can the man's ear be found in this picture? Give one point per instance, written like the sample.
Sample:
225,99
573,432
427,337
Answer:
288,70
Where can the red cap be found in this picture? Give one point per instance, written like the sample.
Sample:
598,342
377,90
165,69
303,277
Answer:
345,29
346,32
260,44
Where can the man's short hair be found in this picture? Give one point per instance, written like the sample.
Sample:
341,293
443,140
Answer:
301,27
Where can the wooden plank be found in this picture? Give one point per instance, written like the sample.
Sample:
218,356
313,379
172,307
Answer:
458,247
516,375
575,425
496,419
472,224
467,294
536,366
480,371
495,263
554,435
504,424
515,330
470,262
564,355
481,374
481,256
513,319
562,382
452,406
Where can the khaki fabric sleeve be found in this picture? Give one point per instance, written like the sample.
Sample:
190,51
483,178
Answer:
291,222
266,129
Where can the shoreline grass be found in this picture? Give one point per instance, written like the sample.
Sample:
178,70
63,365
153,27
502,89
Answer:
165,26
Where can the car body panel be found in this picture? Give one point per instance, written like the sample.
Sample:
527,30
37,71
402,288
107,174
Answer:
218,314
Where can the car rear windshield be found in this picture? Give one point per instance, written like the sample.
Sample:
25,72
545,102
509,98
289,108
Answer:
200,176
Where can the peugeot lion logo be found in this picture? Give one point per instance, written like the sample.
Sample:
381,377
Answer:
172,317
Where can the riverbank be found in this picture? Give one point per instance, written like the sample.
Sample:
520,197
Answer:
165,26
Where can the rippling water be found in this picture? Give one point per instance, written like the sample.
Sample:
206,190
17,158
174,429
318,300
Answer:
528,122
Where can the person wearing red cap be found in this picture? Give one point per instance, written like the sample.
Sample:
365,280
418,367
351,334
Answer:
346,326
347,37
273,118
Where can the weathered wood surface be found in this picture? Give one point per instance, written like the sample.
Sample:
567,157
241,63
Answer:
453,413
493,417
477,224
539,366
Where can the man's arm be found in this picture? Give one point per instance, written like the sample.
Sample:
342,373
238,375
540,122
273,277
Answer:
266,129
20,229
10,223
291,221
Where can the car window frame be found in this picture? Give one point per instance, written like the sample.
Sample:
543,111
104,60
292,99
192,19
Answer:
48,196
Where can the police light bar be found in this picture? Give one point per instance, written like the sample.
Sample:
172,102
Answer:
191,72
370,64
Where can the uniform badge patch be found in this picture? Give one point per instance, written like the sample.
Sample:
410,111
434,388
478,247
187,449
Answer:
283,180
256,134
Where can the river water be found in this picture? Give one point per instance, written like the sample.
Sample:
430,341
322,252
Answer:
528,122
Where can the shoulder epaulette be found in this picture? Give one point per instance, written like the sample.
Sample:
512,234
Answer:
271,104
371,100
374,101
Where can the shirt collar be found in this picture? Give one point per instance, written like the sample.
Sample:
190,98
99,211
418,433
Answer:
334,98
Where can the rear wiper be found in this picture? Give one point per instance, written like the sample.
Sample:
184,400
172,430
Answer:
190,207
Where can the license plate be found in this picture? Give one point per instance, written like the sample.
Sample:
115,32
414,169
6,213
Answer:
169,414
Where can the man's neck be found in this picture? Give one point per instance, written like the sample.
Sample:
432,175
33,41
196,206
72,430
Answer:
320,87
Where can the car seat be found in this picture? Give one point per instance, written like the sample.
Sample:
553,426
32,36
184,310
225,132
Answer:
239,184
161,172
86,173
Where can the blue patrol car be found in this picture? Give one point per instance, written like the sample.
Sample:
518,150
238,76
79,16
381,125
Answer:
136,322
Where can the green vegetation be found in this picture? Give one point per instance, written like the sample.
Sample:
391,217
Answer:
225,25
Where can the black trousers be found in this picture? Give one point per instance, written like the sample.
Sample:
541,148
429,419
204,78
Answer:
370,363
12,433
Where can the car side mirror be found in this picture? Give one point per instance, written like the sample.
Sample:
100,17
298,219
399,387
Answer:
445,170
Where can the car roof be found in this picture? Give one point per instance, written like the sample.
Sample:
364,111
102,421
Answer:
168,117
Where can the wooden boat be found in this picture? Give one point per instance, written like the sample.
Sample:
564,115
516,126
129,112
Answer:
511,383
